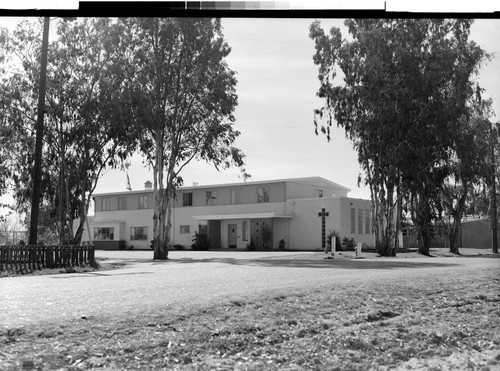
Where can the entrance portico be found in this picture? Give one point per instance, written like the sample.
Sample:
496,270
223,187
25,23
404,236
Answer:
240,231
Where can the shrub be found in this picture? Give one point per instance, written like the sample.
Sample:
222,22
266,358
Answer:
266,235
330,235
251,245
178,247
348,244
200,242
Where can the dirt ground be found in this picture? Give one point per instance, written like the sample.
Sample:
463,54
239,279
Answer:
415,323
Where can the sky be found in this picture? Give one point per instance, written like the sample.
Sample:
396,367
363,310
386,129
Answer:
277,85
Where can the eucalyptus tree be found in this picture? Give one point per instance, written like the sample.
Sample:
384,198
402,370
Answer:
182,98
466,170
406,85
82,136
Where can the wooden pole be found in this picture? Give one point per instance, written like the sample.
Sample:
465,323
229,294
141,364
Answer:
37,169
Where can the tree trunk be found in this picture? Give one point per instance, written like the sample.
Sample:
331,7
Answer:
457,219
159,216
422,222
385,227
77,239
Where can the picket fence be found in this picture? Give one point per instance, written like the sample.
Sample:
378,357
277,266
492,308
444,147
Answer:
30,258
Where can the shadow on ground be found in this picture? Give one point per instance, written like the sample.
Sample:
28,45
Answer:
323,263
315,260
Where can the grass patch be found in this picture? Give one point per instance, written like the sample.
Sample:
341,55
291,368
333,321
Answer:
410,323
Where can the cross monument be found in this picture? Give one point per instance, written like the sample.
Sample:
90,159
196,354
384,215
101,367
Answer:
323,214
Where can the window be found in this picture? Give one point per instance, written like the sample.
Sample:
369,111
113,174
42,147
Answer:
101,234
235,196
360,221
211,198
319,193
353,220
367,221
245,230
105,204
122,203
263,194
138,233
185,228
143,202
187,199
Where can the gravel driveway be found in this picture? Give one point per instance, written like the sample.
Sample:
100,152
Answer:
199,278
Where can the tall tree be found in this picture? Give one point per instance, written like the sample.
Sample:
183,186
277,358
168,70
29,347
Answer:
83,136
182,98
407,83
466,169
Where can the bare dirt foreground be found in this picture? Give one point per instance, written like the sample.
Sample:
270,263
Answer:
414,322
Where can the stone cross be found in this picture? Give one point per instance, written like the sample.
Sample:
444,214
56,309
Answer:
323,216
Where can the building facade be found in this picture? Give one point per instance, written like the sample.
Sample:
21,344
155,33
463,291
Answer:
299,212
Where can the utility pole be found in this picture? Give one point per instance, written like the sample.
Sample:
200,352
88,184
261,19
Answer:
37,169
494,217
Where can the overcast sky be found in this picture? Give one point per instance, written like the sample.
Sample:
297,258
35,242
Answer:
277,84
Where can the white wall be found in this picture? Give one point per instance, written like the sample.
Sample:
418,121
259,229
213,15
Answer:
306,188
127,218
346,204
305,227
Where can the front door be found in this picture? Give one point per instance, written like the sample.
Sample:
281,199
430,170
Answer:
232,235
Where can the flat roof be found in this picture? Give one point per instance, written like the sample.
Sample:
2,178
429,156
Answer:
240,184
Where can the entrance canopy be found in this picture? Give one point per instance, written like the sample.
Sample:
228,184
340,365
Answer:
242,216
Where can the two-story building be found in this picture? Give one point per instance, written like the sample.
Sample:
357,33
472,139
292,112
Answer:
300,211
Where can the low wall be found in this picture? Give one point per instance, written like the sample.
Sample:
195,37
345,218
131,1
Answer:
109,245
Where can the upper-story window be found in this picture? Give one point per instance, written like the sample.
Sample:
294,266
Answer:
319,193
122,203
143,202
187,199
106,203
211,198
263,194
236,196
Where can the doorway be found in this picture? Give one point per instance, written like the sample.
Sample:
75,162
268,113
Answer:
232,235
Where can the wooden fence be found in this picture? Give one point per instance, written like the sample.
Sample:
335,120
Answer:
30,258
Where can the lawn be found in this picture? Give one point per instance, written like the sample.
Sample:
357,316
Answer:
414,323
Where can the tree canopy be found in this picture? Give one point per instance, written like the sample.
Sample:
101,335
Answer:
407,86
82,136
181,101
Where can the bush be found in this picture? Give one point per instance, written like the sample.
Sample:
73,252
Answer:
251,245
329,237
348,244
200,242
178,247
266,235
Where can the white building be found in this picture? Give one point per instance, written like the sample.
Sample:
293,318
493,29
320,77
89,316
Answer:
300,211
